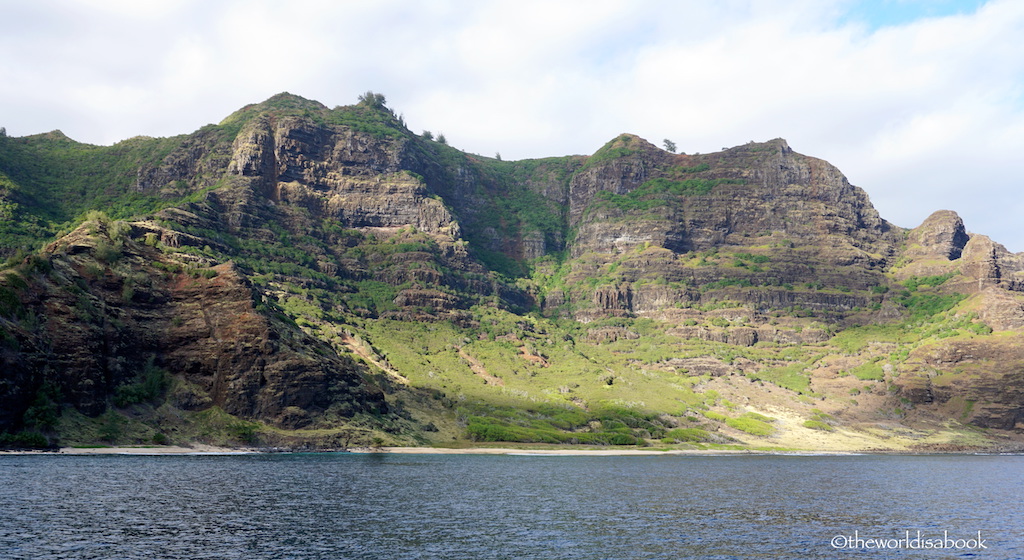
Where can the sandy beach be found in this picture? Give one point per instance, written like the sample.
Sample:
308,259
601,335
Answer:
558,452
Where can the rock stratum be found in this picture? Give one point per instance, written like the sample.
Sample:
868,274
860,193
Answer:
299,276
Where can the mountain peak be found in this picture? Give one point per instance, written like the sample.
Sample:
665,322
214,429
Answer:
941,235
281,103
286,100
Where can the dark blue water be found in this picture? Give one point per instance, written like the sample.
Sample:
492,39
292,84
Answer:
514,507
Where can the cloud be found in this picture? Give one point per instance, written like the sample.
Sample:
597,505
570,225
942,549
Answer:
921,105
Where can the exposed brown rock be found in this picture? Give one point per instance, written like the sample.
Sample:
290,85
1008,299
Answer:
980,381
941,236
1001,310
991,264
202,329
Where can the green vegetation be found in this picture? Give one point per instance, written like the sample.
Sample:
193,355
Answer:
23,440
655,193
44,411
818,425
622,146
48,181
149,385
922,306
853,340
752,423
565,424
371,118
494,327
820,421
914,282
793,377
688,435
869,371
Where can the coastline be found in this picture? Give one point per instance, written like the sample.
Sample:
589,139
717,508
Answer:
203,449
197,449
549,452
200,449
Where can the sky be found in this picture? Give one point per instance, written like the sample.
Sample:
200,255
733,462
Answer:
918,102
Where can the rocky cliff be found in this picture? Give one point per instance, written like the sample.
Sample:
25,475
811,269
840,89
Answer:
300,267
97,309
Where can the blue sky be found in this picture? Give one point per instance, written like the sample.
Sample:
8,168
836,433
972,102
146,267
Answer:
886,13
919,103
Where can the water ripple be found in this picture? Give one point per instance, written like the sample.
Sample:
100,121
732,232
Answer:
465,506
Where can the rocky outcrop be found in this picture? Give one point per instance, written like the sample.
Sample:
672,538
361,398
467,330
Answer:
758,224
114,307
244,363
196,163
991,264
942,245
358,179
757,190
977,381
619,167
941,236
610,334
1000,310
749,336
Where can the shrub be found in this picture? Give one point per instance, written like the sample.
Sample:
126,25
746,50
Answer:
622,439
757,416
373,100
695,435
106,252
751,426
246,432
24,440
869,371
923,305
10,300
44,410
111,426
148,385
818,425
712,415
914,282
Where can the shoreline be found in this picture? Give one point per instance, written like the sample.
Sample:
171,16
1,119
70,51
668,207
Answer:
548,452
201,449
197,449
540,450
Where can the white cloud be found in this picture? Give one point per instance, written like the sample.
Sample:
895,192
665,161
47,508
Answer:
923,115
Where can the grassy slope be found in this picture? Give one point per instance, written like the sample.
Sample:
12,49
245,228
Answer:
605,384
48,182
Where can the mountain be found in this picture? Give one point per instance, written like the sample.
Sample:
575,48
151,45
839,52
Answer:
298,275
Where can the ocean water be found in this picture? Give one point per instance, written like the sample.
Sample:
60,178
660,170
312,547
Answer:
390,506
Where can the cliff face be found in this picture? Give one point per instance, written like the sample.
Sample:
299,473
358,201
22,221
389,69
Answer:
975,381
357,179
103,308
273,246
757,190
785,220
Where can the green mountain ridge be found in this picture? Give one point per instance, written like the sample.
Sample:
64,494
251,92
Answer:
298,275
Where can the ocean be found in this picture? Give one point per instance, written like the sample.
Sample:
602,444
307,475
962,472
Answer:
400,506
